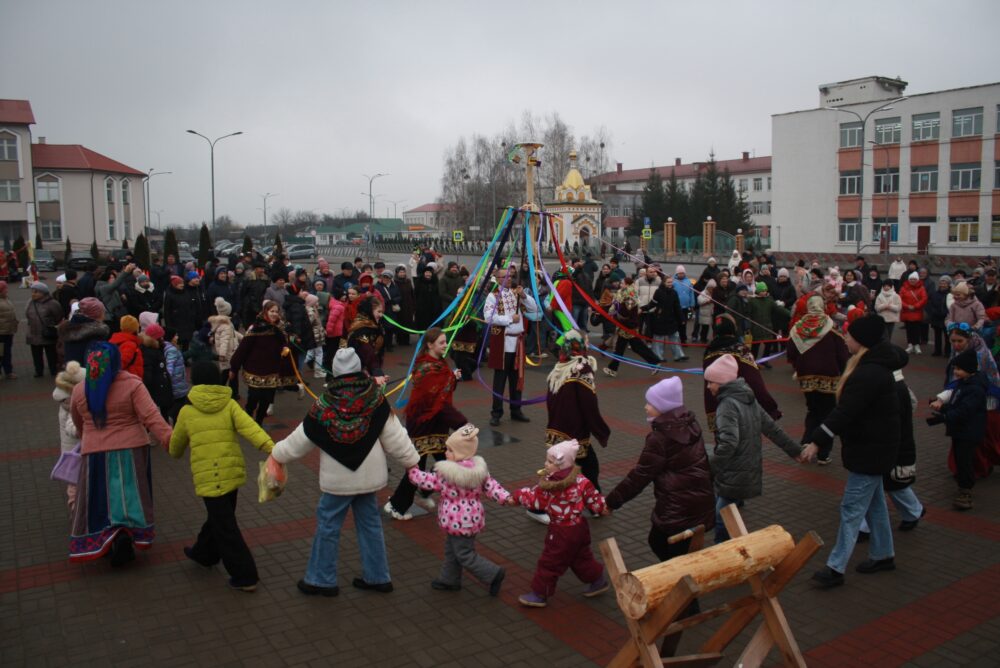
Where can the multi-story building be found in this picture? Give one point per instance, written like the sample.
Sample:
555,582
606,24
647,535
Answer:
921,171
435,216
17,196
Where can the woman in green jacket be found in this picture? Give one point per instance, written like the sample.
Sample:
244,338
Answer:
209,425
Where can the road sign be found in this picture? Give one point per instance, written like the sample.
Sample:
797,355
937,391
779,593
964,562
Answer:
457,235
645,223
647,233
473,228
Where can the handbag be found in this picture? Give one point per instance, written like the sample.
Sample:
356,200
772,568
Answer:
595,319
50,333
904,475
67,468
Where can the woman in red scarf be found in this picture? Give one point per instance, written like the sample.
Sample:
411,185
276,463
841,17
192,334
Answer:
430,415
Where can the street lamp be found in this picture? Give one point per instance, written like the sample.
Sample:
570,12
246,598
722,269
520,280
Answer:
145,181
887,106
265,196
371,202
395,203
211,146
158,212
885,178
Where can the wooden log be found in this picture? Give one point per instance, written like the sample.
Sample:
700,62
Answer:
716,567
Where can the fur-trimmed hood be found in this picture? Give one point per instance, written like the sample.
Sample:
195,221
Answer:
561,483
467,474
80,328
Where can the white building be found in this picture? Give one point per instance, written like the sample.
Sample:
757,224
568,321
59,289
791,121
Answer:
926,168
576,207
435,216
17,196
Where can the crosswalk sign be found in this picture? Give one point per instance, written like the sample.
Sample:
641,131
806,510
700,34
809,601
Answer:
457,235
647,233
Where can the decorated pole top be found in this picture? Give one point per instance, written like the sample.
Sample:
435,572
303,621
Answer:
530,150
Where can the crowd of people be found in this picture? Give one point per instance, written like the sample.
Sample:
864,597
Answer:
160,356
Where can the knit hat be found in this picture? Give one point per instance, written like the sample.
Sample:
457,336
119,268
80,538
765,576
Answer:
345,362
782,272
346,265
387,274
41,287
191,275
914,276
868,330
724,370
153,331
176,281
679,269
311,299
93,308
967,361
945,278
464,442
60,279
147,318
961,289
129,324
564,453
761,286
71,376
742,288
222,307
142,278
205,373
666,395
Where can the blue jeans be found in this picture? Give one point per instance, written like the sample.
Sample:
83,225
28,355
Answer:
863,499
330,514
721,533
675,348
580,315
906,503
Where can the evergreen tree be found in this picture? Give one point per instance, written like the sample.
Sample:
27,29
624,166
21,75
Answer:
142,252
21,250
68,251
278,249
676,204
38,240
654,204
124,244
204,246
94,252
247,244
170,245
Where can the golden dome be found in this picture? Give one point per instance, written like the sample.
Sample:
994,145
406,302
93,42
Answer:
573,180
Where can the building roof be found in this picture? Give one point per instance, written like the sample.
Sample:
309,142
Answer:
909,96
376,226
686,171
74,156
616,221
17,112
433,207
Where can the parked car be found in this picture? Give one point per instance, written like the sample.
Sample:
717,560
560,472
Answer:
78,260
300,252
185,256
118,254
44,260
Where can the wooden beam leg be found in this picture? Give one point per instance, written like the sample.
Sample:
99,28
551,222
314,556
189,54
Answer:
638,649
730,629
656,622
777,624
757,649
792,563
733,520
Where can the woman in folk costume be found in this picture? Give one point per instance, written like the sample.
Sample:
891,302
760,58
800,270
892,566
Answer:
572,403
367,337
262,360
112,412
726,342
430,415
818,353
626,311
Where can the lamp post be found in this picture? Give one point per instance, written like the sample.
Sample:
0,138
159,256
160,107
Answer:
158,212
145,180
887,106
885,229
395,203
371,202
265,197
211,147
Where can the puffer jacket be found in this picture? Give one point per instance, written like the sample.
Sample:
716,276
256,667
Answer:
335,321
174,359
8,317
299,327
737,461
888,305
128,347
937,307
68,436
42,314
914,299
225,338
965,412
461,486
132,417
79,332
645,289
110,296
867,416
674,460
969,310
209,425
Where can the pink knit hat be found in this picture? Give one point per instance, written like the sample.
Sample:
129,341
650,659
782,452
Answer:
679,269
564,453
666,395
723,370
464,442
92,308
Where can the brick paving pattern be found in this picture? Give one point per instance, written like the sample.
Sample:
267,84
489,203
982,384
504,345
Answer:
941,607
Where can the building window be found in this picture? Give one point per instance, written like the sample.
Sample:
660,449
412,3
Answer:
926,126
923,179
10,190
627,211
125,197
743,185
893,224
963,229
615,211
758,184
47,191
850,135
769,184
850,183
128,228
967,122
51,230
887,180
111,229
995,230
888,130
8,147
967,176
847,230
767,207
757,208
109,191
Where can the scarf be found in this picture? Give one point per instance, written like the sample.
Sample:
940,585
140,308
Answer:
103,364
345,422
433,386
578,367
362,322
811,327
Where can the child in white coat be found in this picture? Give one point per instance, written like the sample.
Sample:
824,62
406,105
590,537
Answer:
68,437
888,305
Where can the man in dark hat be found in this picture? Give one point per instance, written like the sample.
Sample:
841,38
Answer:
343,279
252,291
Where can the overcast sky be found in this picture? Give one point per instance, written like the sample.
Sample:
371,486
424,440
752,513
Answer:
328,91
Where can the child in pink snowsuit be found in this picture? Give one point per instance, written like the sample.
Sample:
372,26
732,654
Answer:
563,494
462,478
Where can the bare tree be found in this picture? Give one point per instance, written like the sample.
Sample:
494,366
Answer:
282,217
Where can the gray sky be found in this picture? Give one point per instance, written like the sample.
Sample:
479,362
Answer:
328,91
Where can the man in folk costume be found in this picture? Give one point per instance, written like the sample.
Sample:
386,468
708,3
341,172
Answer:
573,409
502,314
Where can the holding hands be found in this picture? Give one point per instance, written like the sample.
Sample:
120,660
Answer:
808,454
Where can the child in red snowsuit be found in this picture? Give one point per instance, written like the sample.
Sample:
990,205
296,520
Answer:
563,494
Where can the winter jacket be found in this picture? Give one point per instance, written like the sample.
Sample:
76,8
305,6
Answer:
371,476
252,297
299,329
888,305
138,300
937,307
988,297
563,500
764,312
316,324
427,300
156,378
784,293
335,321
223,289
462,485
867,416
66,294
209,425
449,285
406,303
674,460
896,270
79,332
174,359
914,299
43,315
737,460
906,455
182,311
276,295
741,311
8,317
258,357
128,348
645,289
68,435
109,294
130,414
965,412
968,310
706,306
225,338
665,309
683,288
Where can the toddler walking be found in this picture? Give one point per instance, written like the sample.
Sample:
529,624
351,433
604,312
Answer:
462,478
563,493
66,380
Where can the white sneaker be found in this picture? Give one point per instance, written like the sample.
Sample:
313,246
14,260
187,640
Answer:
917,351
427,503
389,510
655,371
909,349
319,373
270,409
302,391
607,372
541,519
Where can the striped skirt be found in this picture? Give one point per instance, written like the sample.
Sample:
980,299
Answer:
114,494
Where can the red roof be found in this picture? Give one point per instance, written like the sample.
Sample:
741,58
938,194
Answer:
688,171
616,221
432,208
74,156
16,111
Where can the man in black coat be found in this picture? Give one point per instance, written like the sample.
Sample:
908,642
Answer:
251,296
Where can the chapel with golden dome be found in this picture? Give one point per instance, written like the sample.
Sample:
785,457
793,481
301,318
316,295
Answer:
580,212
